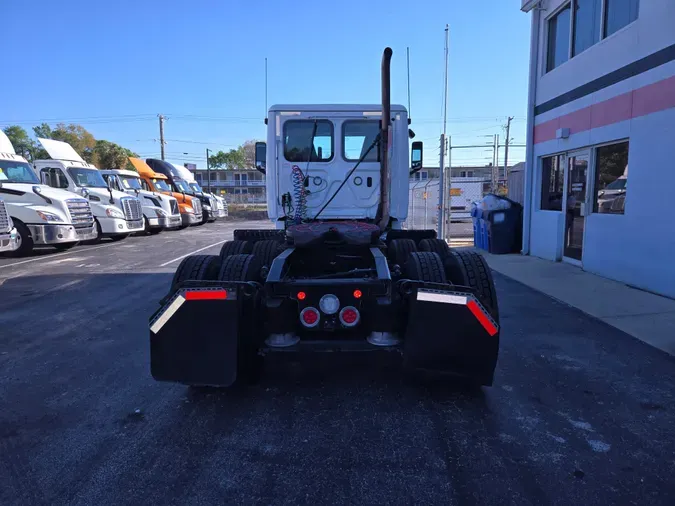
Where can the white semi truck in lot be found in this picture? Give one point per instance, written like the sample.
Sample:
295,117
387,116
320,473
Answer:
40,214
9,237
159,211
117,214
221,209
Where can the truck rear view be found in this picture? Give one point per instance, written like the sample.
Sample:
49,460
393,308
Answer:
337,272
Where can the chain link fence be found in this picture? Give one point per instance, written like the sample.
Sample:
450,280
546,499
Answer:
463,191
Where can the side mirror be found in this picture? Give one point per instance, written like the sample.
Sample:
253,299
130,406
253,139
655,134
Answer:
261,156
416,156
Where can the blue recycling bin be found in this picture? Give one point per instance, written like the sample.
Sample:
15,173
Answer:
481,237
504,229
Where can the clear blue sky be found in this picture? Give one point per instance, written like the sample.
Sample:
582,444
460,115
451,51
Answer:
112,66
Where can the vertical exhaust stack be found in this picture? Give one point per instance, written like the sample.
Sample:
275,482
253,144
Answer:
385,173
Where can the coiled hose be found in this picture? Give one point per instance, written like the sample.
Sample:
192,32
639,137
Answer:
299,194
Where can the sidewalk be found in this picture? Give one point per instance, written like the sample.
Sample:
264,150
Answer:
648,317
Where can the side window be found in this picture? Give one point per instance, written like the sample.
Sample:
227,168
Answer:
145,185
619,13
611,178
552,179
357,137
559,38
54,177
298,143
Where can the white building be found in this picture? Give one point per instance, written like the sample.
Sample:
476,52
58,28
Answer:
602,97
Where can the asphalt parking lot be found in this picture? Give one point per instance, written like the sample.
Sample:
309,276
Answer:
580,413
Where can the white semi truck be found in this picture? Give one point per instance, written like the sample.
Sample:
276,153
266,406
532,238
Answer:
117,215
9,237
159,211
40,214
221,205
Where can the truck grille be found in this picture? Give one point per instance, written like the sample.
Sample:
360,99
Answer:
174,207
132,209
80,213
197,206
4,218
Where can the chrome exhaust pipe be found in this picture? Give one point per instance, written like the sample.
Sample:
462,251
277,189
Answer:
385,175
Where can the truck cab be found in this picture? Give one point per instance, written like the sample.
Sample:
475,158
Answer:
221,210
190,208
311,151
159,212
41,215
117,214
179,179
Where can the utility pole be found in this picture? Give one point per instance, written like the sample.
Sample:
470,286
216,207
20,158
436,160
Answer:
208,170
495,164
441,181
506,148
448,201
161,135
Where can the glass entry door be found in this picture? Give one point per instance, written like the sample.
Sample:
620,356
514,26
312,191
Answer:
576,184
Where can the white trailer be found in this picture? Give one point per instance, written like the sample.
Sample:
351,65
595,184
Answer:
40,214
159,211
464,191
117,215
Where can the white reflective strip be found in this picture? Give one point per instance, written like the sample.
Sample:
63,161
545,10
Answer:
167,314
290,113
441,297
372,113
278,125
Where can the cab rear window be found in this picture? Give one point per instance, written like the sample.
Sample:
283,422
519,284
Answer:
308,140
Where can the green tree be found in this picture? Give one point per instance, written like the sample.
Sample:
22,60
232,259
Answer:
23,144
108,155
233,159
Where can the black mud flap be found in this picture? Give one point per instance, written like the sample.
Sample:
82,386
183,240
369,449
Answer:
195,335
449,331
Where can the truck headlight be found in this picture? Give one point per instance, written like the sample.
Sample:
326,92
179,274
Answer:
188,209
161,213
206,208
48,216
114,213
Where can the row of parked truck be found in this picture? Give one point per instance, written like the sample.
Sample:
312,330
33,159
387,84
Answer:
64,200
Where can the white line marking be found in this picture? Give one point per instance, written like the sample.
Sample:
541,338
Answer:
45,259
192,253
441,297
170,311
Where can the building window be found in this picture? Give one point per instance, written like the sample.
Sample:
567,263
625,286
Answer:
469,173
552,180
303,138
586,24
620,13
559,38
424,175
462,173
611,178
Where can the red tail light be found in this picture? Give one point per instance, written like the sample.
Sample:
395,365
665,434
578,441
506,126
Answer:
309,317
349,316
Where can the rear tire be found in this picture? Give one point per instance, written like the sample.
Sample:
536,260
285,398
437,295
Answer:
250,363
425,266
266,251
240,268
235,247
469,268
400,250
438,246
26,245
196,267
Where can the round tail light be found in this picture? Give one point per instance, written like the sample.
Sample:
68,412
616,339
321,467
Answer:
309,317
349,316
